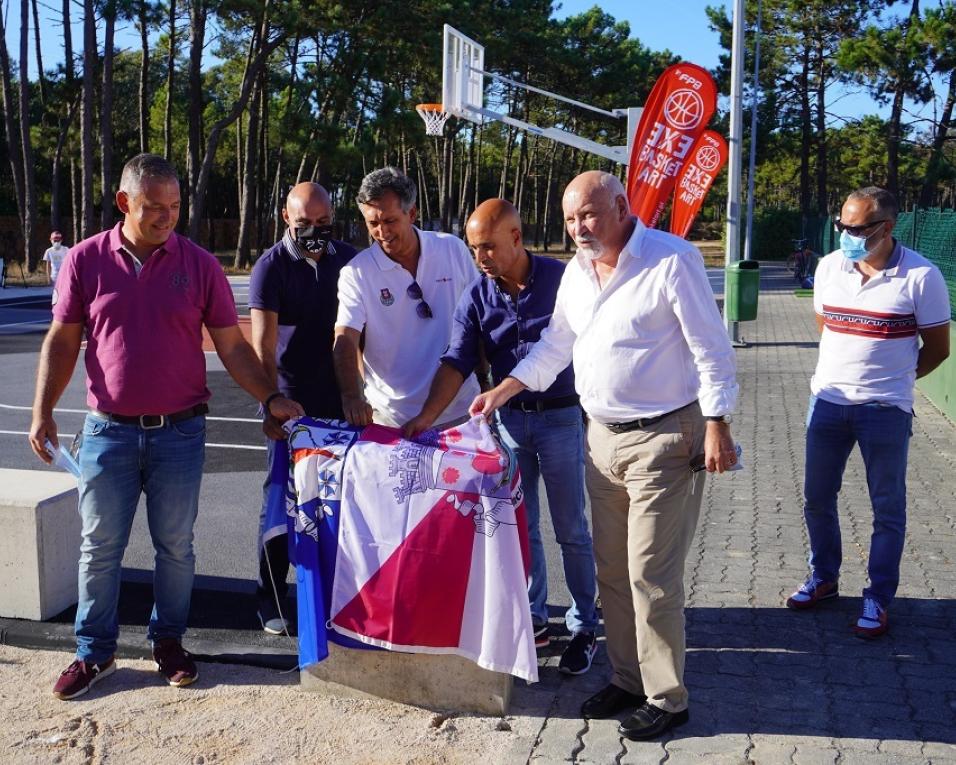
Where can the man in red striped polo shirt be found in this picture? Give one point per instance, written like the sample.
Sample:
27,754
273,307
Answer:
875,302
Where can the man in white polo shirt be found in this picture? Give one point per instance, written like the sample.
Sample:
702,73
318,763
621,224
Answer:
875,300
401,293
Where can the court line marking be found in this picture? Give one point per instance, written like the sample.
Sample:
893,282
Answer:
71,435
22,323
257,420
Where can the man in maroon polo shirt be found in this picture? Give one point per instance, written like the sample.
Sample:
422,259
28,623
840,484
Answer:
142,293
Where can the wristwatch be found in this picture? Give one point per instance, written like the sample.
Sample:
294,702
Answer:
720,418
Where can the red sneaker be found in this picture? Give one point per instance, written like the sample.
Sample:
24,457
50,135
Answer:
76,679
812,592
174,662
872,622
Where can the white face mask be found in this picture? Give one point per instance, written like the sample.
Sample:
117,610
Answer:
853,247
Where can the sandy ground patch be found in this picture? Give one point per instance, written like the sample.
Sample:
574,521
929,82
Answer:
232,715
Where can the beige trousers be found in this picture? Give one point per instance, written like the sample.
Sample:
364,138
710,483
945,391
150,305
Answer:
645,502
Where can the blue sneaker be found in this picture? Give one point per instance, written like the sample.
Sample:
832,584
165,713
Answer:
872,622
812,592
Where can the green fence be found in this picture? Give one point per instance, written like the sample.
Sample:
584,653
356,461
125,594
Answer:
932,233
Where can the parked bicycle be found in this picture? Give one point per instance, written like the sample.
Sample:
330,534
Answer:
802,261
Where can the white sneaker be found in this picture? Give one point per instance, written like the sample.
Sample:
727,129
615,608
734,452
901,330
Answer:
274,626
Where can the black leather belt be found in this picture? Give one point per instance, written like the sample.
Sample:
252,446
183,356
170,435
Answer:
544,404
644,422
152,421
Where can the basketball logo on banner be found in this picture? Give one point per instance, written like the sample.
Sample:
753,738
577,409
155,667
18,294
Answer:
708,157
684,110
676,113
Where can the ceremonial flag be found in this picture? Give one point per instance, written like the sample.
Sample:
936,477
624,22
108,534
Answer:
707,158
675,114
432,551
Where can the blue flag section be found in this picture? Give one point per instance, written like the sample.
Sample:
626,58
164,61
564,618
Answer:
312,519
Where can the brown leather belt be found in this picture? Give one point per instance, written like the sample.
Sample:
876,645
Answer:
645,422
152,421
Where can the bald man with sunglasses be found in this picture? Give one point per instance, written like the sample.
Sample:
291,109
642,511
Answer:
883,313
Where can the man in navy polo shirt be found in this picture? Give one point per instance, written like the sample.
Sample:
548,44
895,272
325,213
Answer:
504,311
293,302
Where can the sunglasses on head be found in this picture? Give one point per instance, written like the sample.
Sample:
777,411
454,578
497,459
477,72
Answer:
856,230
423,310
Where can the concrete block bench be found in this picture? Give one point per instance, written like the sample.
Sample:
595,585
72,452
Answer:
39,544
434,681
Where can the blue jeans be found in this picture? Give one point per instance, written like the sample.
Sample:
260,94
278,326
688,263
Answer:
550,444
883,433
118,463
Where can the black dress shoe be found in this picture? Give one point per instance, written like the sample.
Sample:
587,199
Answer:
610,701
650,722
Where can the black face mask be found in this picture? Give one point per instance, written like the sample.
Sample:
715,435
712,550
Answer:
313,238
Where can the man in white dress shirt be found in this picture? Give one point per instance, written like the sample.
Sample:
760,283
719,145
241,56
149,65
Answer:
656,375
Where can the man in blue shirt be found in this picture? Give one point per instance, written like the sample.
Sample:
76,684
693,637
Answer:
502,314
293,302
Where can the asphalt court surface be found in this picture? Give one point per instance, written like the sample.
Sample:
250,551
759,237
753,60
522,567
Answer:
226,530
225,533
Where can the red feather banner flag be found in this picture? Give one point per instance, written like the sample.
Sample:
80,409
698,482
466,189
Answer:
706,160
676,113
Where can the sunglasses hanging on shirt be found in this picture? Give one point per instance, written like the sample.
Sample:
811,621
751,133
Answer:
423,310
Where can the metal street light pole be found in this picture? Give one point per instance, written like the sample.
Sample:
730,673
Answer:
748,241
736,132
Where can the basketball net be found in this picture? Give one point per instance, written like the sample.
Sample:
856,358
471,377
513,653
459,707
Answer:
434,116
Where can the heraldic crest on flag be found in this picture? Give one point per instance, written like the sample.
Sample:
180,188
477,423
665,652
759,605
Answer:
431,550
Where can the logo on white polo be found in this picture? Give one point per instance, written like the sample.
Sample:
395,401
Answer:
386,297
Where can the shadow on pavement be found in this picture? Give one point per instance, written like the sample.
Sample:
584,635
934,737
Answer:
780,672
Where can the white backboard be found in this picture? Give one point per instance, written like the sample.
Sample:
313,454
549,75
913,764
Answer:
462,79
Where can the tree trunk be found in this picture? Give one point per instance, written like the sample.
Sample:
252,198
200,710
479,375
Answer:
215,134
74,200
821,131
262,171
55,214
68,43
31,256
41,81
144,77
933,166
247,208
106,118
197,38
806,132
86,120
10,127
894,132
170,71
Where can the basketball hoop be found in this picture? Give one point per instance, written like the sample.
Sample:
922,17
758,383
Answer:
434,116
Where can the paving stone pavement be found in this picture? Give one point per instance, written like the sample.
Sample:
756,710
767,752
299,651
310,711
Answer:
769,685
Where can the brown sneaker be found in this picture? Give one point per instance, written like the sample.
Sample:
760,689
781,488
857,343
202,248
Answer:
76,679
174,662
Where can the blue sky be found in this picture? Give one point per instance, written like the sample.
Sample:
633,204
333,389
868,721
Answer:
679,26
682,27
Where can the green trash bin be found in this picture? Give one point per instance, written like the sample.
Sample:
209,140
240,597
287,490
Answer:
741,288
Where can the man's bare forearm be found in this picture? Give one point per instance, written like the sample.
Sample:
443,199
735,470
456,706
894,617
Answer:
346,360
445,386
244,367
57,360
